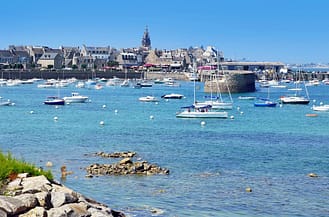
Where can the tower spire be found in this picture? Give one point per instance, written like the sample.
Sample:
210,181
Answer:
146,41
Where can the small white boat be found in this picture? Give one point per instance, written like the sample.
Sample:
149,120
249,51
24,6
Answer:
246,97
148,99
75,98
320,108
5,102
172,96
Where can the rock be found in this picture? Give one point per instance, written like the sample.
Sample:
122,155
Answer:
312,175
126,167
35,184
128,154
36,212
14,186
248,189
126,161
60,198
49,164
50,199
12,206
3,213
44,199
29,200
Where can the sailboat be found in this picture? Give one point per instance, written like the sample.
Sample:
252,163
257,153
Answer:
265,102
217,102
297,98
54,100
206,111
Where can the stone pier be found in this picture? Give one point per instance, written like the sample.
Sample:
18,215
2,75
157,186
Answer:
233,81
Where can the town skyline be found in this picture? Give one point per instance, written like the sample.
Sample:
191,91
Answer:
276,31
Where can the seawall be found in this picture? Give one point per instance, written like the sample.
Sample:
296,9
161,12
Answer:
65,74
234,82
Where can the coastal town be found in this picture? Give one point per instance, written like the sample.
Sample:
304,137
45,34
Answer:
83,62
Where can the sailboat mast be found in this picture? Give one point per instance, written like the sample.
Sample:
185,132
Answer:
194,93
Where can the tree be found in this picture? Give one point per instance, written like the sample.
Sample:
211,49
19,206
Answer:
84,66
113,63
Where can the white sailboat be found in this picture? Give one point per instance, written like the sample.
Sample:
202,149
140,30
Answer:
200,112
297,98
217,102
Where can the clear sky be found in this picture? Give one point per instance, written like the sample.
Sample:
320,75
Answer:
290,31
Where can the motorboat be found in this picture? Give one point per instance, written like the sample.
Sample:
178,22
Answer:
146,84
201,112
294,100
5,102
246,97
148,99
172,96
75,98
54,100
321,108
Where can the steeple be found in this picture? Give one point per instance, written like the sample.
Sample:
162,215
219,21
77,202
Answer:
146,41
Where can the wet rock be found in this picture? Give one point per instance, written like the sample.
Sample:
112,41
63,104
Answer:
313,175
127,154
126,167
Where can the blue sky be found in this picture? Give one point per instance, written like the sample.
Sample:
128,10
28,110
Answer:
290,31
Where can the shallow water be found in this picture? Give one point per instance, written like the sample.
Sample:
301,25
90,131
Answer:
270,150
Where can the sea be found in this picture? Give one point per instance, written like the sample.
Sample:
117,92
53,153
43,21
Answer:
255,163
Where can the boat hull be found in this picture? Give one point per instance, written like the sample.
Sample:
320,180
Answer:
321,108
55,102
5,103
294,100
261,104
172,96
75,100
196,114
215,105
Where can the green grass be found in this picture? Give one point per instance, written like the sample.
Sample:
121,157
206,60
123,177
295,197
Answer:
10,167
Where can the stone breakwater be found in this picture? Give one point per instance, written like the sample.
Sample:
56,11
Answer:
38,197
126,166
234,82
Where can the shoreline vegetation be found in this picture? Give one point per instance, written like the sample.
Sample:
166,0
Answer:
10,167
26,190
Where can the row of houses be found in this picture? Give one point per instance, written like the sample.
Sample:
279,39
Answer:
88,57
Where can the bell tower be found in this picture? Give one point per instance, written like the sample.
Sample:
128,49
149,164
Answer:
146,41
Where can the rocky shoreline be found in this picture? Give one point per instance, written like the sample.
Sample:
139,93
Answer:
39,197
25,196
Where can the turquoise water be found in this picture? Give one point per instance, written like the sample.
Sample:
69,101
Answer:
270,150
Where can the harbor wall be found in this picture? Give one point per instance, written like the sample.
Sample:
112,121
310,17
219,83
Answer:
161,75
235,82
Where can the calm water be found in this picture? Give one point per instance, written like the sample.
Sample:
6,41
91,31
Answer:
270,150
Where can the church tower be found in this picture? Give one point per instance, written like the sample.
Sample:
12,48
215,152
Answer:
146,41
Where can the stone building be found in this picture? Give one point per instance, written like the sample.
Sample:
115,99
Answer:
51,60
